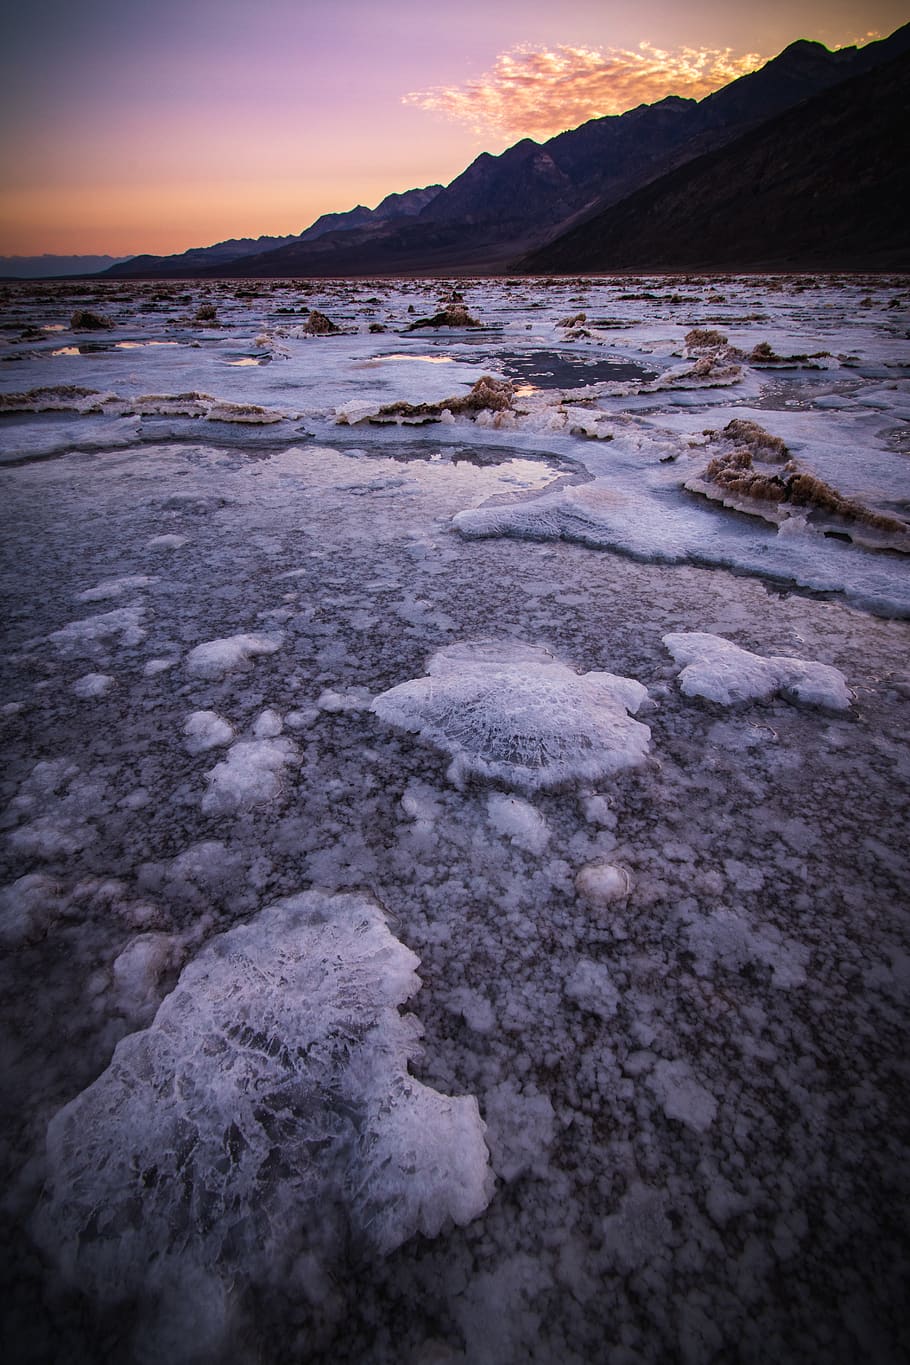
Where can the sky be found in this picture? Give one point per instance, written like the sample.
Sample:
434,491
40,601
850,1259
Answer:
157,125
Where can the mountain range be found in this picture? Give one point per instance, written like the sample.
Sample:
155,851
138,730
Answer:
800,164
52,267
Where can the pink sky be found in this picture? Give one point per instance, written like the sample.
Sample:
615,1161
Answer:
138,126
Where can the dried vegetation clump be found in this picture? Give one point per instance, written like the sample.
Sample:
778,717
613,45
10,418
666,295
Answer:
761,443
764,354
318,325
453,315
487,395
85,321
206,312
704,339
734,472
54,398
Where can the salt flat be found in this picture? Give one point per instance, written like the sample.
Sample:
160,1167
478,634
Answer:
454,887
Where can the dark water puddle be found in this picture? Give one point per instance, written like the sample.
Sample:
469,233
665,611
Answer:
565,370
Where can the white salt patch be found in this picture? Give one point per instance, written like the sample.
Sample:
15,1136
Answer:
721,671
474,1008
93,685
205,863
520,1130
592,990
681,1096
421,802
138,971
27,908
353,699
727,939
514,713
250,775
206,730
124,621
166,542
161,1175
155,666
601,883
519,821
357,410
217,657
640,1231
301,720
268,725
52,807
50,836
114,587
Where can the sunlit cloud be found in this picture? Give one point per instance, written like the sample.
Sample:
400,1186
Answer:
536,92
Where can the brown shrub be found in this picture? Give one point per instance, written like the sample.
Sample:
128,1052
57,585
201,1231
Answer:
455,315
318,325
493,395
703,338
84,321
761,443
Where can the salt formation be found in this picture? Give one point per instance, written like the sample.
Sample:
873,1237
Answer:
513,713
92,685
115,587
518,821
251,774
217,657
206,730
79,635
602,882
755,474
265,1119
682,1097
721,671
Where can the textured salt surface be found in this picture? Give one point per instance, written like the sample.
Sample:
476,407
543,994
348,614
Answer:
164,1177
671,979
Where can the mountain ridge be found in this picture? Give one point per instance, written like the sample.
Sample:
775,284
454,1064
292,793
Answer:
819,186
198,259
505,207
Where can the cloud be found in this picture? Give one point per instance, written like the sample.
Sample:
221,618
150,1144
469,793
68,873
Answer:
537,91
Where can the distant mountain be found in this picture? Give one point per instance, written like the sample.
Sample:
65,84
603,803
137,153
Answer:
49,267
198,258
216,259
822,186
405,205
502,206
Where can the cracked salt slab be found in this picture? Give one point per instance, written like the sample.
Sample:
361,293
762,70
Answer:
214,658
93,685
123,621
513,713
206,730
721,671
115,587
251,774
160,1182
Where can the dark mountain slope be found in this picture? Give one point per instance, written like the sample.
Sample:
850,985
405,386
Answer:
502,206
821,186
532,186
406,205
215,259
531,193
197,258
